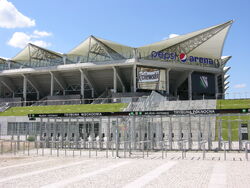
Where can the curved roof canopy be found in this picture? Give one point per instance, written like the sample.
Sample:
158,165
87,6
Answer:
207,43
203,43
95,49
35,56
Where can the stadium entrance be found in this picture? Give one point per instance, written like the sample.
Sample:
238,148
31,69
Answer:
193,128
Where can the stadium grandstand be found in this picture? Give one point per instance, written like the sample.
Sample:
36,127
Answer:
186,67
165,91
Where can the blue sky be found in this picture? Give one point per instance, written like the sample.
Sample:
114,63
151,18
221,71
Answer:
60,25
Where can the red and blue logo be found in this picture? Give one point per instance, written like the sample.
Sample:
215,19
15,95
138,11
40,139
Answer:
183,57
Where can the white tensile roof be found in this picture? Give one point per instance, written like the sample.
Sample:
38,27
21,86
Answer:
211,48
24,55
97,49
109,49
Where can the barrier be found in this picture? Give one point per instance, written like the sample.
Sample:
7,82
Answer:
76,148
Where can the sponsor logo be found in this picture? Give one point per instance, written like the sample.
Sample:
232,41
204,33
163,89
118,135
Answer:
152,76
204,81
182,57
164,55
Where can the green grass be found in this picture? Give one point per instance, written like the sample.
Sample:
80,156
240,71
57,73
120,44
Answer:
236,103
24,111
234,120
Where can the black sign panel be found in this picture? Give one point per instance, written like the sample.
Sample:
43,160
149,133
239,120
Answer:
143,113
203,83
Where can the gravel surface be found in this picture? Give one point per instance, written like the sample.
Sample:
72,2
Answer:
153,171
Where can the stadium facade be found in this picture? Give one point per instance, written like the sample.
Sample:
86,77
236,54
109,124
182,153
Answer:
189,66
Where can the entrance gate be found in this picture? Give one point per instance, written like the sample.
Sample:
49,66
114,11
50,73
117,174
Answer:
136,133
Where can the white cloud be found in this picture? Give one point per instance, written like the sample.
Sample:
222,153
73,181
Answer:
21,39
6,58
38,34
172,35
41,43
239,86
10,17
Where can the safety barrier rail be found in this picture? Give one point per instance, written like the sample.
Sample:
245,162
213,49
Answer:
103,149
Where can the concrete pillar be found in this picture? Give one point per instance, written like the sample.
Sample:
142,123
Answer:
24,88
51,84
167,80
190,86
115,80
92,92
82,84
216,85
223,86
64,59
134,78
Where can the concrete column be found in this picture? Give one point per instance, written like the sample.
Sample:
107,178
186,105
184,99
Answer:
134,78
64,59
190,86
92,93
51,84
115,80
167,80
223,86
82,84
24,88
216,85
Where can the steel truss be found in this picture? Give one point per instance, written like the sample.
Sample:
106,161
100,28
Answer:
192,43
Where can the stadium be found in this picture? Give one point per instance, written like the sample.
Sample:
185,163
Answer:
189,66
107,93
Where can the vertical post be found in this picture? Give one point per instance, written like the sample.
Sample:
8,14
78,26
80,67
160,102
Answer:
100,133
2,147
132,132
225,157
115,80
199,134
18,136
190,86
167,80
161,130
170,134
117,138
189,133
82,83
204,150
92,92
240,135
223,86
246,149
216,85
209,133
134,78
24,89
51,84
180,128
219,134
108,134
229,134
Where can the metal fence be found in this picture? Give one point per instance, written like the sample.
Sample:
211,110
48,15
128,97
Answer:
100,100
124,136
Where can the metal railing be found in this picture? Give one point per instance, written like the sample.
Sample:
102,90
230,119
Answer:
138,103
103,149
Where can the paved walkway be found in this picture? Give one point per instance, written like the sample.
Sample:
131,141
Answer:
153,171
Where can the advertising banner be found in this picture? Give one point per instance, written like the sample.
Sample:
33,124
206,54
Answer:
203,83
151,78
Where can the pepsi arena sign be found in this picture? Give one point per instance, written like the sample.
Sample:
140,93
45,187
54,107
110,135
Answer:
182,57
